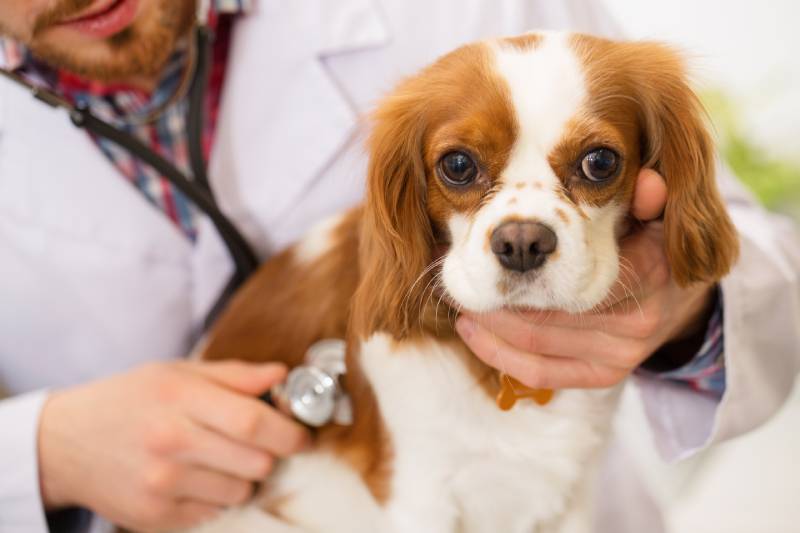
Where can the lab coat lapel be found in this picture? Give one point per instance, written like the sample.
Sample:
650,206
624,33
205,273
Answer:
267,151
276,77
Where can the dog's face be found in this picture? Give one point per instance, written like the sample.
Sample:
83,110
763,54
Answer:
512,164
532,215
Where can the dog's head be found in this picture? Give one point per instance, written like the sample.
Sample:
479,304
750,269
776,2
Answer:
510,165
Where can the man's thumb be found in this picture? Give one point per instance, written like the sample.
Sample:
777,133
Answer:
248,378
650,195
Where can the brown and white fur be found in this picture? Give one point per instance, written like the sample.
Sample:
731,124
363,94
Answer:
429,451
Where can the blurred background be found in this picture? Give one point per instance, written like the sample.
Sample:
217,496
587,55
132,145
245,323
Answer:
745,57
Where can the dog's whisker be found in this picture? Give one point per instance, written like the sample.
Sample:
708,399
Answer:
547,317
627,269
498,355
425,272
430,288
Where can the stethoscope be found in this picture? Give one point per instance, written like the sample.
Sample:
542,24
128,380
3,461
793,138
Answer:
312,392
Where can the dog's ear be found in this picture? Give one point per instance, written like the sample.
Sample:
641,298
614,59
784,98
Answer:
701,242
396,236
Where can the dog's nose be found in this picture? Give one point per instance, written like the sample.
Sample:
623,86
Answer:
523,246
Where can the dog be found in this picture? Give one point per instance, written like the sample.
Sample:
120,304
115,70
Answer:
499,177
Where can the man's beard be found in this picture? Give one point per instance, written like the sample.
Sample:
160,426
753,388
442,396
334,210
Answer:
139,51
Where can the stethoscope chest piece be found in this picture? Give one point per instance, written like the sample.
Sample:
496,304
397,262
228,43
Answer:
312,393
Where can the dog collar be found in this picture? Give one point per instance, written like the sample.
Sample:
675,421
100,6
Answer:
512,390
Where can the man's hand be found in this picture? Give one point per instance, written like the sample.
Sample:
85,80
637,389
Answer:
165,446
645,310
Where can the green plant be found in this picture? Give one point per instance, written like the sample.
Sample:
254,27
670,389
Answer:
775,182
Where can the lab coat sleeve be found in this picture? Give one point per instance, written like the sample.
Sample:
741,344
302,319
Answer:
21,508
761,331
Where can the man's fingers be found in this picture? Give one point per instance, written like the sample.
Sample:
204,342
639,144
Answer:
248,378
626,320
213,488
248,421
214,451
193,513
537,371
650,195
583,321
243,419
589,344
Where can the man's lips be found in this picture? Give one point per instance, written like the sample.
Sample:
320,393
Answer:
103,20
95,8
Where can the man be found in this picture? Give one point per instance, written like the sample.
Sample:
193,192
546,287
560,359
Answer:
107,267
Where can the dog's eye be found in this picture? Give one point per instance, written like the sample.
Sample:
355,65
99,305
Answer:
599,165
458,168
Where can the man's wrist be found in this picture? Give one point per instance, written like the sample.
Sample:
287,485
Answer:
704,366
679,352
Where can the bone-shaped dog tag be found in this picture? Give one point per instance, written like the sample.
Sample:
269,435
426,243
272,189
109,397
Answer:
512,390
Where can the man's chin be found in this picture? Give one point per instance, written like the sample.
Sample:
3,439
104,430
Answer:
103,62
137,53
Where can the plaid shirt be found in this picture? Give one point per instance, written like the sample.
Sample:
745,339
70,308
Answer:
706,371
168,136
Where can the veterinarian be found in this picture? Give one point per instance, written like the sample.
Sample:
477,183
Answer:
108,270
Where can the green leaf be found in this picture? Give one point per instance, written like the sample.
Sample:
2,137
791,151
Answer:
776,183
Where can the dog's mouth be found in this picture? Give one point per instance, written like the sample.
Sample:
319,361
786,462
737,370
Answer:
514,285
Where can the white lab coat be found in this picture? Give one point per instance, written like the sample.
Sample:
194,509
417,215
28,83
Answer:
94,280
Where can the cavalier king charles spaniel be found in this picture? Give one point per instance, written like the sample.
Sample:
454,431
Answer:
499,177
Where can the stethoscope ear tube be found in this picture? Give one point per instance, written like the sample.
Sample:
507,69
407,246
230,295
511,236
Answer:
195,121
197,190
244,258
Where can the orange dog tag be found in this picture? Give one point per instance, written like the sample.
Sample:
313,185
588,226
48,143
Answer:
512,390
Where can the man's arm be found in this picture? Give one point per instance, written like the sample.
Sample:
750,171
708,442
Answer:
189,439
761,333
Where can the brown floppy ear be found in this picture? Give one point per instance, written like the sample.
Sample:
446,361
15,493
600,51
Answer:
396,235
701,242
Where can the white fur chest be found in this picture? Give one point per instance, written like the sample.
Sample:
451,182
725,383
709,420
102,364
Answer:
461,464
